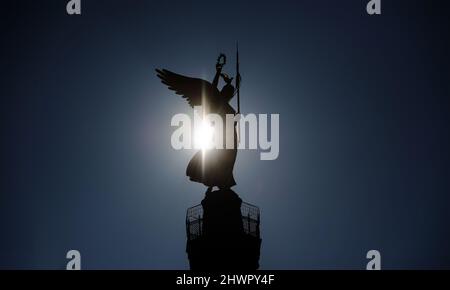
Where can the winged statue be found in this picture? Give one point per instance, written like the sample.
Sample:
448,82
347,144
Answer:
215,166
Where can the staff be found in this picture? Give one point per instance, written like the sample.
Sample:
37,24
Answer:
238,80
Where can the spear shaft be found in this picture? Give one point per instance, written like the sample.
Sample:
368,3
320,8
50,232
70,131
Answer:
238,80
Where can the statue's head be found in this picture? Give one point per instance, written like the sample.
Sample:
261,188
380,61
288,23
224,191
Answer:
226,78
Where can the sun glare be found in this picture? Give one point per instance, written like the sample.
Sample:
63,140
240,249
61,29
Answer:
204,136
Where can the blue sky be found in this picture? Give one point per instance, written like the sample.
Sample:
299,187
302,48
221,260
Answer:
363,104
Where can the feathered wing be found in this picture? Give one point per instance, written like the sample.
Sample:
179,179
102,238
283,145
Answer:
195,91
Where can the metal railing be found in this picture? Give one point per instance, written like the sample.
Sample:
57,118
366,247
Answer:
250,220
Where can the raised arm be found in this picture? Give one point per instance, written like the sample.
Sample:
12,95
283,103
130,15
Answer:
215,82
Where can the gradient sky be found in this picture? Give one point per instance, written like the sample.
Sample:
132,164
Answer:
363,100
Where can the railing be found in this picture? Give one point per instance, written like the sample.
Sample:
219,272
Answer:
194,222
250,220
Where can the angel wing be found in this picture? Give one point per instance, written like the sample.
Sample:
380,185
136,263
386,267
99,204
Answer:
195,91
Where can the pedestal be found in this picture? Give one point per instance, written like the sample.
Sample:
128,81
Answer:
223,233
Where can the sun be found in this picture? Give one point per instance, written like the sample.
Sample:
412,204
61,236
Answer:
204,136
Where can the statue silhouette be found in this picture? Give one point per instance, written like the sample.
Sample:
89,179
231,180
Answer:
214,167
222,231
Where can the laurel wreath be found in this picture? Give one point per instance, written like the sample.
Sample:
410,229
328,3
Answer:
222,59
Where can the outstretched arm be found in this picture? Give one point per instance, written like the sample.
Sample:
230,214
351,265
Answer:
215,82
